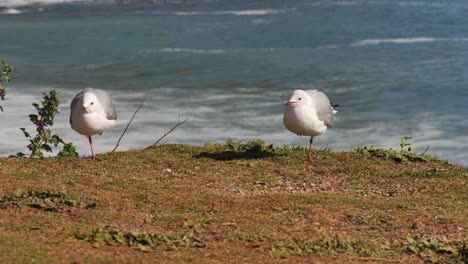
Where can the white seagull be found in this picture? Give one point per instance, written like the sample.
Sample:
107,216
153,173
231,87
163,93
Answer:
308,113
92,112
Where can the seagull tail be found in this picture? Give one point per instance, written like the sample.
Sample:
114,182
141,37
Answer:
333,107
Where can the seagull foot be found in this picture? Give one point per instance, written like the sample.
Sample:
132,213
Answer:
94,158
308,158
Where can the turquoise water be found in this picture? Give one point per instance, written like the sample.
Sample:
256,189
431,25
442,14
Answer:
397,68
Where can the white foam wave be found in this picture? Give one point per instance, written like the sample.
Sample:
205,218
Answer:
251,12
18,3
10,11
365,42
191,50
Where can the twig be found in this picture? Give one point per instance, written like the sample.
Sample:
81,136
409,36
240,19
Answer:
174,127
131,119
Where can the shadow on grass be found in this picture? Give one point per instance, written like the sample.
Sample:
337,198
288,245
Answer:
236,150
234,155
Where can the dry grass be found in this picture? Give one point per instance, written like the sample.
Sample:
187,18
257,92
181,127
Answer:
218,204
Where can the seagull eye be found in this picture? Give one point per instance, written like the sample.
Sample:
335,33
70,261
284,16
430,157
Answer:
300,99
92,103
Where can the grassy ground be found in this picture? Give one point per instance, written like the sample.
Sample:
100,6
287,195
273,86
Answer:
236,203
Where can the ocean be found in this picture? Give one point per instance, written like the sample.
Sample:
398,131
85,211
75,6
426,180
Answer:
396,68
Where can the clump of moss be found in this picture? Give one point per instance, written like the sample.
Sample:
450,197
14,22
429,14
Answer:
45,200
140,240
324,245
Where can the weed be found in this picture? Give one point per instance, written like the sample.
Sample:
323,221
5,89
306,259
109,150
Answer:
405,153
4,77
324,245
438,245
139,240
45,200
398,156
43,121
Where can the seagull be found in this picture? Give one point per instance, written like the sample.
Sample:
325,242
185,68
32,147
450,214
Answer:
308,113
92,112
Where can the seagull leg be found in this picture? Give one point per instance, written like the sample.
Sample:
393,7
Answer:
93,157
310,148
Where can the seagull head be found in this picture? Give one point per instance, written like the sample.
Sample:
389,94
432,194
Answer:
298,98
90,103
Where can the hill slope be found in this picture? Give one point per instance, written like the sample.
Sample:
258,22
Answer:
242,203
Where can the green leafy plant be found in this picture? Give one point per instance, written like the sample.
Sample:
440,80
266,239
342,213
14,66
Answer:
45,200
139,240
43,120
420,244
4,78
325,245
436,249
405,153
255,145
404,143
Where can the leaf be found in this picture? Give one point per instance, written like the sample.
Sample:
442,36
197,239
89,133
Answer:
33,118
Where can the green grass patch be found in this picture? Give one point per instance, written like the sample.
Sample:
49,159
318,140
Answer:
246,238
436,249
398,156
45,200
139,240
325,245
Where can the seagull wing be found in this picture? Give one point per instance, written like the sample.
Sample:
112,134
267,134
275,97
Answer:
75,104
323,106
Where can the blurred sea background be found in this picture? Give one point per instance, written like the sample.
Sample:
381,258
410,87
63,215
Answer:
397,68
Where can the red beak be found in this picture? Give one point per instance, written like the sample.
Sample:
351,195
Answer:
289,102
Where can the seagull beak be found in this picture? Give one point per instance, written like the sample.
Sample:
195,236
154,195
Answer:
289,102
82,109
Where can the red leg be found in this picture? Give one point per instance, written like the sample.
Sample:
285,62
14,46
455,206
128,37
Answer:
93,157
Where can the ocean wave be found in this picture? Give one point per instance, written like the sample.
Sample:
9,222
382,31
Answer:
19,3
366,42
9,11
251,12
191,50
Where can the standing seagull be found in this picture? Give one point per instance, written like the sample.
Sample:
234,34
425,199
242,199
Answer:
308,113
92,112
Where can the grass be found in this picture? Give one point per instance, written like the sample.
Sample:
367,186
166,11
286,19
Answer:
239,202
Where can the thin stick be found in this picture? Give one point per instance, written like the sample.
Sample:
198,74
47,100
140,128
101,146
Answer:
174,127
131,119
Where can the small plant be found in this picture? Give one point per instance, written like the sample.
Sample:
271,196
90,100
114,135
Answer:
255,145
43,120
404,144
437,245
4,77
45,200
325,245
139,240
405,153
